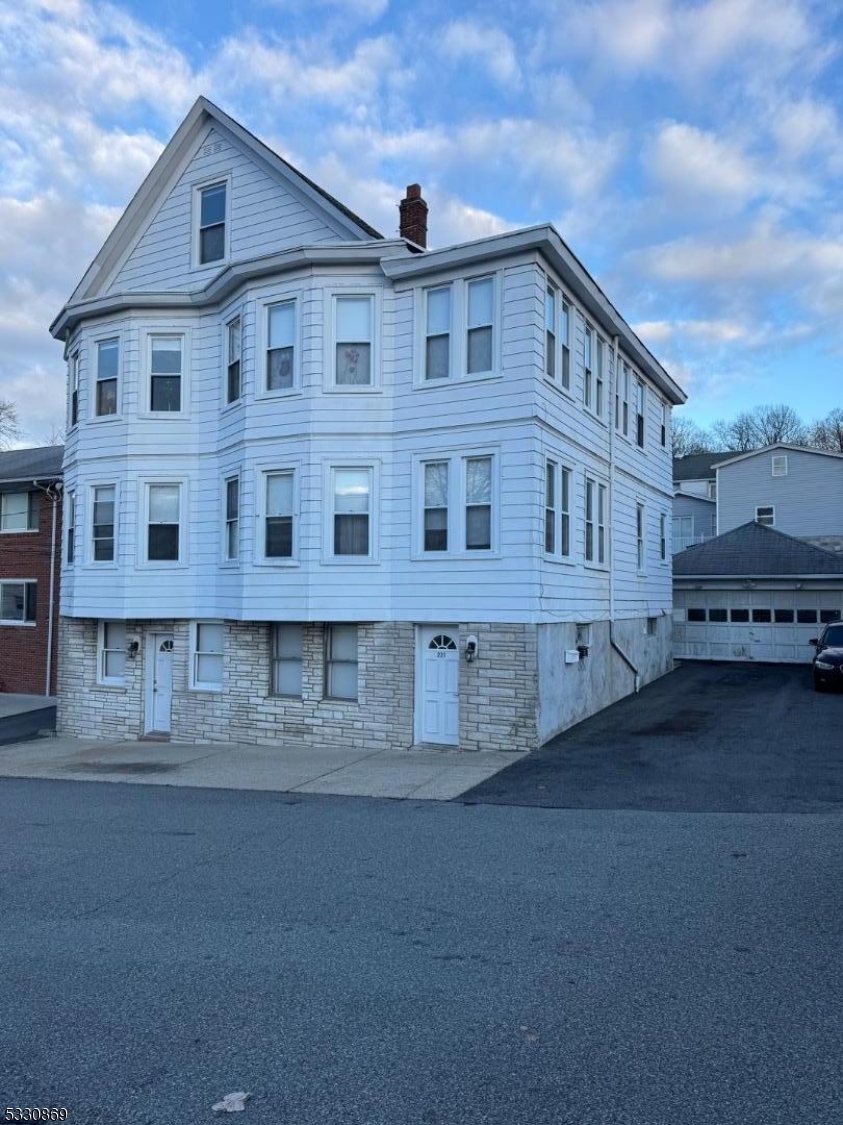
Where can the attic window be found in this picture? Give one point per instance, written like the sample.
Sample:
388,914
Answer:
766,516
212,224
780,465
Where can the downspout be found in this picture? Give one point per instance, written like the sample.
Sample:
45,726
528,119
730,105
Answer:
53,493
624,657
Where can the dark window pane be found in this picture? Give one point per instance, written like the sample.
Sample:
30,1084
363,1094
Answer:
827,615
279,369
550,354
640,433
566,366
354,365
565,543
438,357
762,616
479,350
279,537
166,392
213,205
31,601
436,529
74,408
696,615
234,381
212,244
351,535
232,499
783,616
478,527
739,616
107,396
164,542
103,544
718,615
806,616
549,530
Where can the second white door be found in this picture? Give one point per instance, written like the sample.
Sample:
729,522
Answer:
437,692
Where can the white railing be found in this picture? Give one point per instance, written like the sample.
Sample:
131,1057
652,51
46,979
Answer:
680,542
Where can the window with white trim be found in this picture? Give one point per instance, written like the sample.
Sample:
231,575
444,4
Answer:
557,510
287,659
599,375
478,503
163,523
74,388
166,361
640,556
622,397
663,430
207,644
70,526
640,406
103,522
766,515
281,346
18,511
778,464
212,209
663,537
354,320
436,483
108,370
111,653
341,662
480,302
437,346
565,340
233,347
550,332
18,602
352,497
232,519
595,521
278,517
550,507
588,372
564,512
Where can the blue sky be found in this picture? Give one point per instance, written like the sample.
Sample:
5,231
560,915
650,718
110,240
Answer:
691,153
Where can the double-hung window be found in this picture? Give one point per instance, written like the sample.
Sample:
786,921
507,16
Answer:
595,521
588,368
766,515
599,375
478,503
280,346
206,657
565,340
74,389
640,400
352,496
480,322
663,537
778,464
278,532
234,340
564,512
111,665
550,332
232,519
166,358
103,523
212,206
18,511
550,508
287,659
557,510
436,474
18,603
622,398
639,536
341,661
437,355
663,434
353,355
70,525
108,368
163,523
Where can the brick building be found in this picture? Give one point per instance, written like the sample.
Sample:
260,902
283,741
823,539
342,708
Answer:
30,560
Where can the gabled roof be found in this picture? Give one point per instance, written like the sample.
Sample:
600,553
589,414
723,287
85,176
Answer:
755,551
159,181
779,445
697,466
22,466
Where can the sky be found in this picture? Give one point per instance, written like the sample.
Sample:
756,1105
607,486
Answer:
690,154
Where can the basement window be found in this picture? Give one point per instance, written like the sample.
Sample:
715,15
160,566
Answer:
696,614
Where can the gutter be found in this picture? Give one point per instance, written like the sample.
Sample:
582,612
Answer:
623,655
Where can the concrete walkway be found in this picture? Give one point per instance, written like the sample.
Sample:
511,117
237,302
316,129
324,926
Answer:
437,775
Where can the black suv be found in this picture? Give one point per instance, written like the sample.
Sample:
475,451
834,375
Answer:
828,659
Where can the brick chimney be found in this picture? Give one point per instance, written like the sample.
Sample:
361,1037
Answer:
413,216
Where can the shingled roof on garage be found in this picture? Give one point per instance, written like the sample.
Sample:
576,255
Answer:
26,465
755,551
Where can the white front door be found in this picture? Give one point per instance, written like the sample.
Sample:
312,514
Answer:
437,685
159,683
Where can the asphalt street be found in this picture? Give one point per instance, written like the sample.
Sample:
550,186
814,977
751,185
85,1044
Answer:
364,962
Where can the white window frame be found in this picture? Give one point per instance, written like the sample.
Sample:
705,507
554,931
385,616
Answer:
551,507
73,380
102,651
69,525
24,624
328,661
375,297
623,378
228,324
640,391
264,472
495,325
230,559
599,538
330,470
262,373
552,324
778,461
640,537
196,215
449,508
766,520
89,529
93,381
565,347
184,518
31,513
147,334
194,683
563,483
600,349
459,331
449,287
664,553
457,479
589,349
275,660
664,424
494,515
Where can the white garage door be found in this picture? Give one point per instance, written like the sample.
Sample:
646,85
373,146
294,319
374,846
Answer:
751,625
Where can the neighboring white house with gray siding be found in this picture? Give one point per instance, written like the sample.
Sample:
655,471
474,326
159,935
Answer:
329,486
796,490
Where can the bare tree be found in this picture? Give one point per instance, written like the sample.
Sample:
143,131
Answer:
688,437
827,433
763,425
737,434
55,436
9,427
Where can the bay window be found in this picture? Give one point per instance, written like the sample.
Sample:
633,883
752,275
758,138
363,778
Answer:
480,321
352,490
353,355
163,522
438,333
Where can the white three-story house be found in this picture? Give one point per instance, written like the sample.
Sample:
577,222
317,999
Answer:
325,486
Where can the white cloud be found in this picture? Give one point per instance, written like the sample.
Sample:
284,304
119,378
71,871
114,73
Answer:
367,10
474,42
689,162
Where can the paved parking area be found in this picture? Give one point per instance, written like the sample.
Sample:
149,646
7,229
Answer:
705,738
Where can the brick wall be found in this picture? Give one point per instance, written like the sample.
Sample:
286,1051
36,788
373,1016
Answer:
23,648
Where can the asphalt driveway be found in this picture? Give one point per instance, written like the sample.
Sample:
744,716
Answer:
705,738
